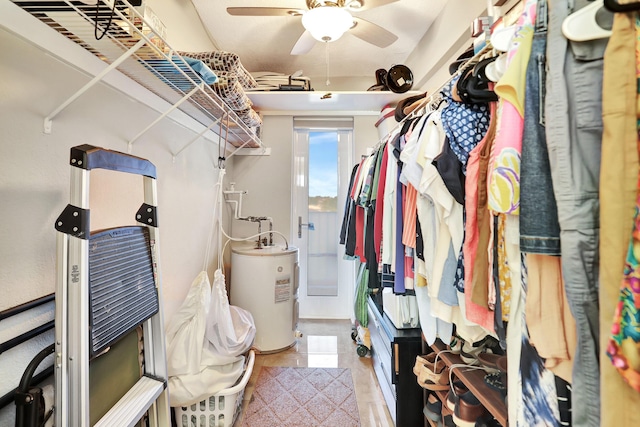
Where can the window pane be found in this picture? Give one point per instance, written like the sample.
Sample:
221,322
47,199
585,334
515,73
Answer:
323,206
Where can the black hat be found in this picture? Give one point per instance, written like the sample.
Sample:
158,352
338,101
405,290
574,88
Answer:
399,78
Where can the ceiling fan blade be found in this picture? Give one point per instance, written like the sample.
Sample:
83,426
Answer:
369,4
305,43
264,11
372,33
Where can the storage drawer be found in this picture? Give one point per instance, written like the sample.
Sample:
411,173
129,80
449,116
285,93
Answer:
393,355
381,350
376,319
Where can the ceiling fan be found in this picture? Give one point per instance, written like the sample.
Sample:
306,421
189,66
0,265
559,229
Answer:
327,21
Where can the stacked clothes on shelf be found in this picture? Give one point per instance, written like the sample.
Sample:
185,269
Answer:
233,81
272,81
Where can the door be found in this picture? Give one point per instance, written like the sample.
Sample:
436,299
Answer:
323,156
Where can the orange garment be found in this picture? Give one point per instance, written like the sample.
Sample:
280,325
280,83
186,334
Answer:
476,231
552,328
409,216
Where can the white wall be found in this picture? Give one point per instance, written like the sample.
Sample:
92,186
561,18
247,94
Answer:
365,134
184,28
34,187
444,40
268,178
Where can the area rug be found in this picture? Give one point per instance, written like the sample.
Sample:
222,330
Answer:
303,397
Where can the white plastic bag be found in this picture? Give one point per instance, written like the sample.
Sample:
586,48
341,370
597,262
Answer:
185,332
230,329
195,369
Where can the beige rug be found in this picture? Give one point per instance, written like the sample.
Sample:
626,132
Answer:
303,397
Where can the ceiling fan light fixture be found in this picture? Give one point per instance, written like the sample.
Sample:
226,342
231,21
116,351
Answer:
327,23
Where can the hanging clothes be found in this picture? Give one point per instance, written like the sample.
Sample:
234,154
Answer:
573,108
504,176
475,243
624,345
618,195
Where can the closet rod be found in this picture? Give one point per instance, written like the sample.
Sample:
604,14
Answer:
430,98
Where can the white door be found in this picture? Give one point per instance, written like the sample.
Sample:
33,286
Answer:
323,158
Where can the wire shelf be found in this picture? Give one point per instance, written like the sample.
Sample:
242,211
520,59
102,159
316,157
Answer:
152,64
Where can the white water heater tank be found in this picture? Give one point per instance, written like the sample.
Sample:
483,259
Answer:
265,282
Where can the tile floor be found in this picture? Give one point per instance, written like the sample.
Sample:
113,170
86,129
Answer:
327,344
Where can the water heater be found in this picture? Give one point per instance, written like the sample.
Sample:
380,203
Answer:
265,282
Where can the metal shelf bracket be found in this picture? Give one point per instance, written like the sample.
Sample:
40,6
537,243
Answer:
48,120
163,115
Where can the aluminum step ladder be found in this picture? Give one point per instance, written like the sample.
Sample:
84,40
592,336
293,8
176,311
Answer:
108,285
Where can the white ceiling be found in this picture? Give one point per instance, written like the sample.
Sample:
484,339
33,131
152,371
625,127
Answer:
264,42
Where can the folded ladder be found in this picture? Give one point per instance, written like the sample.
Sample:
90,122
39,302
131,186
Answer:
108,284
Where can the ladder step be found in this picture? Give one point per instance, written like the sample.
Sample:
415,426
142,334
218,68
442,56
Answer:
133,404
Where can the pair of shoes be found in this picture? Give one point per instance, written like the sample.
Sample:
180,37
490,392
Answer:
466,407
496,380
489,360
468,410
447,421
432,374
455,346
433,409
488,421
491,343
427,360
470,352
456,389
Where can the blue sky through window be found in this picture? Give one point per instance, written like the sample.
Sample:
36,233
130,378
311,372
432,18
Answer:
323,164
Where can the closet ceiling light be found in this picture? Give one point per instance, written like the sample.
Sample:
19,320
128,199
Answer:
327,23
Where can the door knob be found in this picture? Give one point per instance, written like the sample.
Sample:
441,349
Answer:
310,226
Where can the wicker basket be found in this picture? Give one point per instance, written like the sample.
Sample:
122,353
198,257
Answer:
221,409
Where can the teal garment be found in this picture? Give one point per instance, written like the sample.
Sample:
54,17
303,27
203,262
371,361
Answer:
362,291
376,175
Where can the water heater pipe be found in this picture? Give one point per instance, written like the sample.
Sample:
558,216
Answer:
237,203
238,212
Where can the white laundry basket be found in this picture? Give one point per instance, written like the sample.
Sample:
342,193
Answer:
221,409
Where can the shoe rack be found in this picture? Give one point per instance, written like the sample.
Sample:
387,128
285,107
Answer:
474,380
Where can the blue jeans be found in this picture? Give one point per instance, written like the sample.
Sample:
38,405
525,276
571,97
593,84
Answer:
539,227
574,136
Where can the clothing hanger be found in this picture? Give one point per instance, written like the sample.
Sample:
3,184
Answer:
614,6
496,69
583,25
